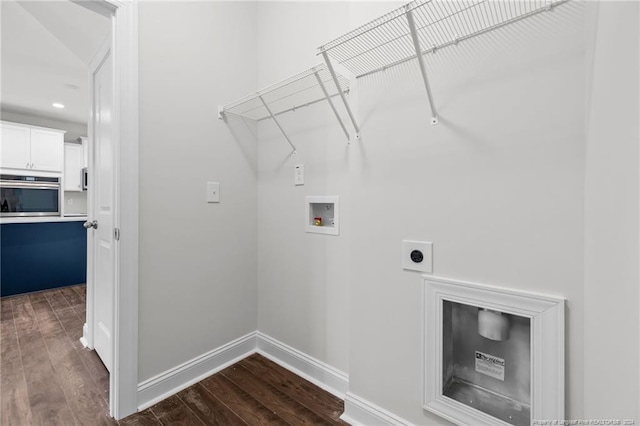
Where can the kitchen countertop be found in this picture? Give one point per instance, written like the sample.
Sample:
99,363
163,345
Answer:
35,219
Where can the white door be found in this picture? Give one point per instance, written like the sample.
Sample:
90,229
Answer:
101,241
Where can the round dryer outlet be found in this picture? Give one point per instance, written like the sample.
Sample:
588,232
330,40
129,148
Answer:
417,256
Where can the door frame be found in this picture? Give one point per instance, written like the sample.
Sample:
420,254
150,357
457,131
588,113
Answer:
123,380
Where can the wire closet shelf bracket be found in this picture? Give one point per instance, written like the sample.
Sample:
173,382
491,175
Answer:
421,27
301,90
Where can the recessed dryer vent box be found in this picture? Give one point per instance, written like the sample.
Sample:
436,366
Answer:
492,356
322,215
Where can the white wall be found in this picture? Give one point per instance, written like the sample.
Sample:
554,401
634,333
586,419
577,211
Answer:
611,215
497,186
303,279
197,260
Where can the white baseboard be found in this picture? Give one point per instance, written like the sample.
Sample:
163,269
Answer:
172,381
317,372
85,336
359,411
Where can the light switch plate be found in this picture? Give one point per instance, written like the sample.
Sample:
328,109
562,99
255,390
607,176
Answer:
417,256
213,192
298,178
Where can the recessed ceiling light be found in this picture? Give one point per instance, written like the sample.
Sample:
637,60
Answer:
57,105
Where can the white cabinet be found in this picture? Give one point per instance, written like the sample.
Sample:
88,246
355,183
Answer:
73,162
31,148
47,150
85,150
16,148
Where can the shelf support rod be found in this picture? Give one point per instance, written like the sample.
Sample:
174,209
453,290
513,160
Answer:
344,100
275,120
333,107
423,69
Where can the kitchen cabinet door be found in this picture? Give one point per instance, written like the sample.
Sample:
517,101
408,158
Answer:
73,160
47,150
85,150
15,153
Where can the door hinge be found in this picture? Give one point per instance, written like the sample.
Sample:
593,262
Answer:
116,234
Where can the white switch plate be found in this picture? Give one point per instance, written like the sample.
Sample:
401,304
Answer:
426,248
298,178
213,192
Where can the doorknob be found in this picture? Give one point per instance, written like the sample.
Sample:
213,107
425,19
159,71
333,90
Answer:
93,224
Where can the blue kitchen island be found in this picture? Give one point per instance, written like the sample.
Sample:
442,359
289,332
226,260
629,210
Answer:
42,255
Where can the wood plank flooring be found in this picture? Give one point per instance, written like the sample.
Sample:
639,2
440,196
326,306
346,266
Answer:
48,378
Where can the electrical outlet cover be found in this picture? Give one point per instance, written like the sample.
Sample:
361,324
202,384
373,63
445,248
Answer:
417,256
213,192
298,178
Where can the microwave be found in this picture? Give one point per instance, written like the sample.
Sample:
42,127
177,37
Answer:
29,196
85,179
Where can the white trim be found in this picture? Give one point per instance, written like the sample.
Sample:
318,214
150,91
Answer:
85,336
174,380
638,378
359,411
317,372
31,126
123,380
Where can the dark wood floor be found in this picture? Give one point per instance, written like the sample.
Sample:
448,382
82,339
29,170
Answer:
48,378
254,391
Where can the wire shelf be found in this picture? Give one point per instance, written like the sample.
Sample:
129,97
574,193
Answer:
295,92
388,40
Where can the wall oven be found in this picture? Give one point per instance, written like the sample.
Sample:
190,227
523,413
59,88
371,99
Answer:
29,196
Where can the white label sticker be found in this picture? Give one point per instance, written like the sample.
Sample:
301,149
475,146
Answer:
490,365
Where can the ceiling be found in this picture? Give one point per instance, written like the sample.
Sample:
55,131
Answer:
46,50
